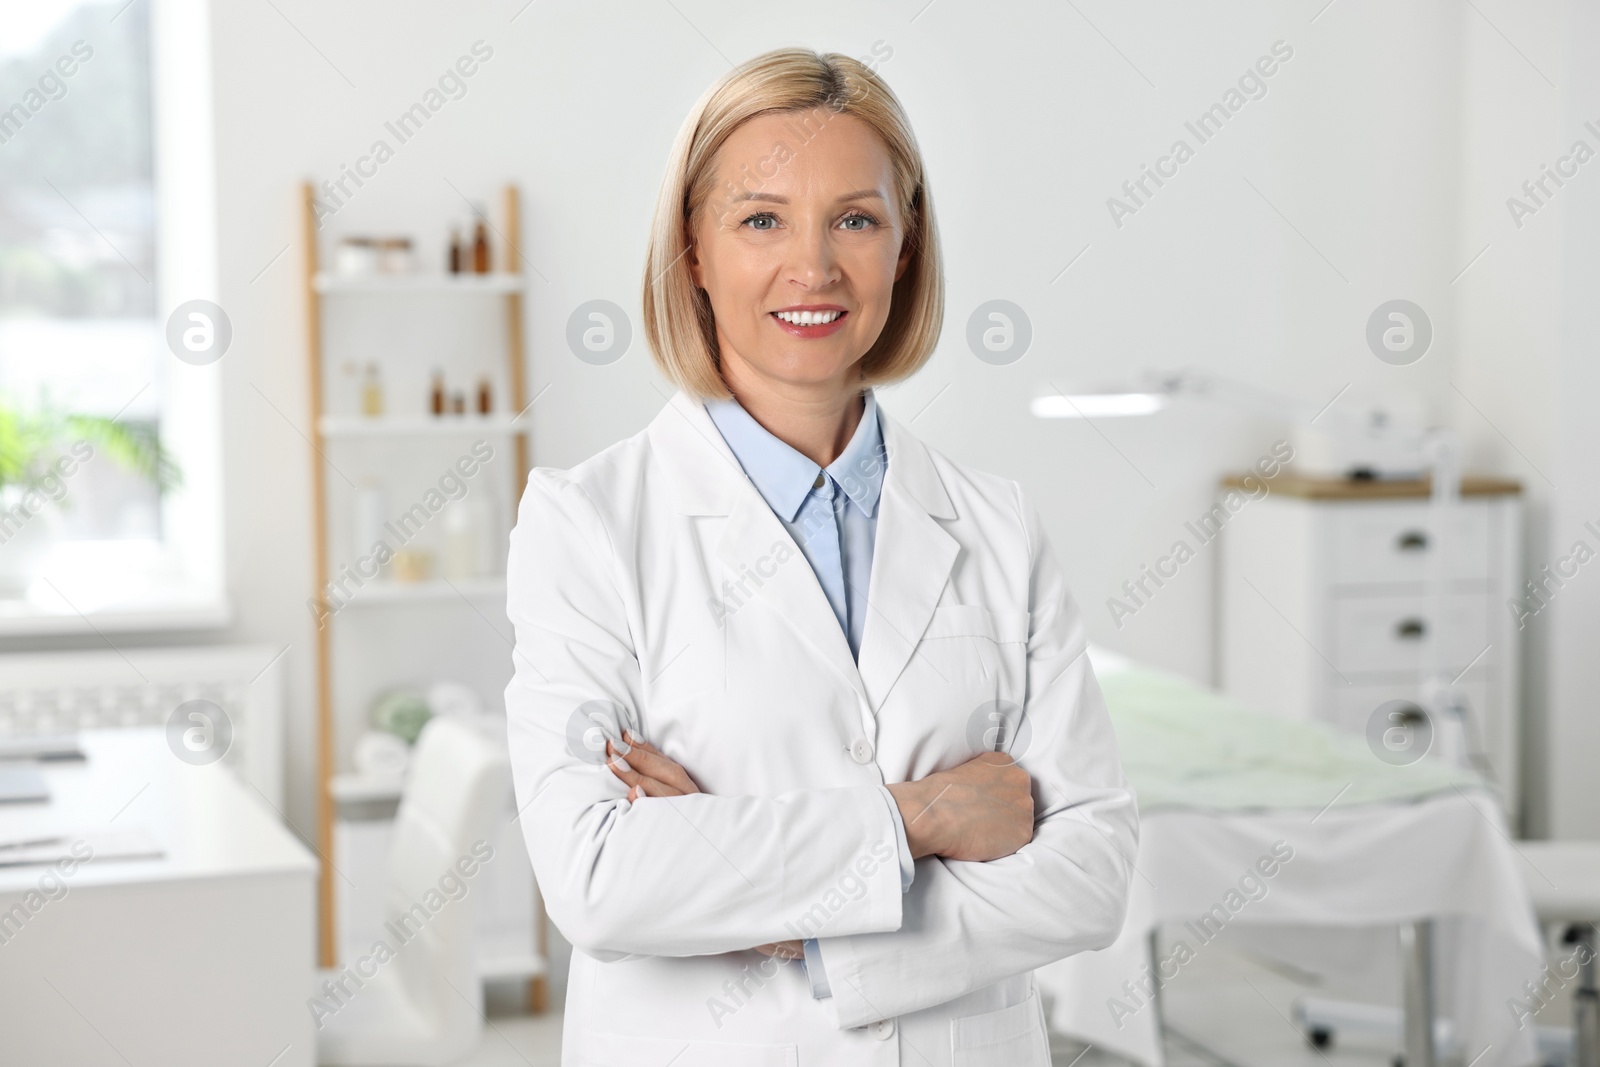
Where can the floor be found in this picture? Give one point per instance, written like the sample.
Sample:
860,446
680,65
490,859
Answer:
1236,1011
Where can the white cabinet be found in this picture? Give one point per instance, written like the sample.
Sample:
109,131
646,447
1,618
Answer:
1324,612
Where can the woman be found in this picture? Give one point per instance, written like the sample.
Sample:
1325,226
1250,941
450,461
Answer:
811,764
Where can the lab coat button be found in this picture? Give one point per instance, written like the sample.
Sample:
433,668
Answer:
861,750
882,1029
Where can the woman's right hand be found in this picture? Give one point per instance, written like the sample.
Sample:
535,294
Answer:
981,810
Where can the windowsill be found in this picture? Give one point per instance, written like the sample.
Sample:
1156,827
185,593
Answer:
86,587
29,617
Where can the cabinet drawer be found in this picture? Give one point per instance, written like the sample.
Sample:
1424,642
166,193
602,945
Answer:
1355,705
1393,634
1387,542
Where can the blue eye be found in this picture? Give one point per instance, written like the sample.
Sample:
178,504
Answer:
867,220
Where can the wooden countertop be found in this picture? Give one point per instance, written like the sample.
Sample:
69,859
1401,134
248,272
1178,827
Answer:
1337,487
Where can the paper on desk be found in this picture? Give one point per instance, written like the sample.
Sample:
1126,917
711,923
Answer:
93,845
45,747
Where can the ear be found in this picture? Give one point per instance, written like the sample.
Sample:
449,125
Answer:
905,259
692,257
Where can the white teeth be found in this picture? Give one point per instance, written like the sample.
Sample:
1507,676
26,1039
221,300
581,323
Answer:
808,318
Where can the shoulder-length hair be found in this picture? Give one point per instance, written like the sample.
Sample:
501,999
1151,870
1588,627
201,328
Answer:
678,320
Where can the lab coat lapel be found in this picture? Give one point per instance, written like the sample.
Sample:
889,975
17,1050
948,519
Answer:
761,562
911,560
759,554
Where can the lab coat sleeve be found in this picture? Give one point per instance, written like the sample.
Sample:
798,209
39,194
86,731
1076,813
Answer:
662,876
966,924
815,970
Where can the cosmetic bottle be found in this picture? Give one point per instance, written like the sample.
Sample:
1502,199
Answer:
372,392
485,398
370,508
460,552
480,247
349,385
458,403
436,395
455,250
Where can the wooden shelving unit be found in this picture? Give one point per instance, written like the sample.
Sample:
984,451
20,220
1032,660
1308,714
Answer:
330,430
500,282
335,426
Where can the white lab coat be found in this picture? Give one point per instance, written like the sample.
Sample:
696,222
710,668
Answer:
653,580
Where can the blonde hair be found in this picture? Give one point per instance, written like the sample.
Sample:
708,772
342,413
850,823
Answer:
678,320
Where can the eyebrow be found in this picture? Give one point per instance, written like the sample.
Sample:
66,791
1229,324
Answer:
771,198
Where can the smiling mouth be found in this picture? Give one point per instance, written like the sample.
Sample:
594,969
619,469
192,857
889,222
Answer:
808,318
810,323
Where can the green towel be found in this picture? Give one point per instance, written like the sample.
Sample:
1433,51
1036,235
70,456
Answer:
1184,746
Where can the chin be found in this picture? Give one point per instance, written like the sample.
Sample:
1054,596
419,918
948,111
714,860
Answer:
806,367
809,372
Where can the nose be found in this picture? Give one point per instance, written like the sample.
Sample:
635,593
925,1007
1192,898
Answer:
813,263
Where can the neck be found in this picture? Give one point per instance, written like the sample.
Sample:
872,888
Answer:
816,419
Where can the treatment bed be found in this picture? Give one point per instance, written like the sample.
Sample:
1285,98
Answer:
1250,821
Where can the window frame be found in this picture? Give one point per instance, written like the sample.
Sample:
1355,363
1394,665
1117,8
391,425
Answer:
189,568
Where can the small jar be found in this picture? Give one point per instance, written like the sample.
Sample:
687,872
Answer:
394,255
356,256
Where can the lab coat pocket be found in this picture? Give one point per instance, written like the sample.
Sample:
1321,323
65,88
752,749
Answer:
1013,1037
633,1050
981,654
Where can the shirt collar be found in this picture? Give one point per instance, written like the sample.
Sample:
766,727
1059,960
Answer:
785,477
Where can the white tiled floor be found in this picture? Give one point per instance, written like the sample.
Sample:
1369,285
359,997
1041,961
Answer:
1229,1010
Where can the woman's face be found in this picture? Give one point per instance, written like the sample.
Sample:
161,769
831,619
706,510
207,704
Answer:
799,226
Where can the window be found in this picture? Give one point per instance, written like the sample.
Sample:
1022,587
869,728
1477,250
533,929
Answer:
86,272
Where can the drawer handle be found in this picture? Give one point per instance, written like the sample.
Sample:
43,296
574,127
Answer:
1410,629
1412,541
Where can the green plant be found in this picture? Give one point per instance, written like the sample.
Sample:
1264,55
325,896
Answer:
403,713
30,441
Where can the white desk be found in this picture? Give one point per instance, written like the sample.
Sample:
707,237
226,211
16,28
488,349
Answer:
202,957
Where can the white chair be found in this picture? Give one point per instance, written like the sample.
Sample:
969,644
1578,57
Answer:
423,1006
1565,887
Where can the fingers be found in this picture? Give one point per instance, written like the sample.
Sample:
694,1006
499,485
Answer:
640,784
649,787
788,950
645,759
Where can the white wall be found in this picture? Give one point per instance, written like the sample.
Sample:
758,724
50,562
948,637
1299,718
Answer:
1574,624
1508,303
1030,117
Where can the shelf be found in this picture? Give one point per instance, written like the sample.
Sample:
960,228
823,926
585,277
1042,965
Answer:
379,593
346,426
508,968
418,283
433,298
362,788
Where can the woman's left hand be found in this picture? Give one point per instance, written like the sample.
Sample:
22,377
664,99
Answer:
788,950
647,771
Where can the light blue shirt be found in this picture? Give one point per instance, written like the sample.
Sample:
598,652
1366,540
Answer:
832,514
